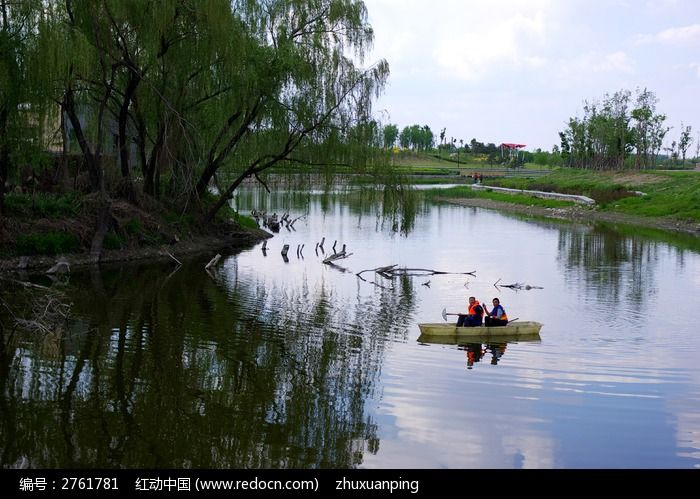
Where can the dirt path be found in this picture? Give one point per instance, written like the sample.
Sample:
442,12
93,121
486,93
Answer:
581,214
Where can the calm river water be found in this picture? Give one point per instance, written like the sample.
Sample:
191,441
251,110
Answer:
268,363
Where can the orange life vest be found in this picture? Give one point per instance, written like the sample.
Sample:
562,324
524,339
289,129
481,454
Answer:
471,309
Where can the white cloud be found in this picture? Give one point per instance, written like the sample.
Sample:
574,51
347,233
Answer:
596,63
681,34
466,40
495,43
696,67
484,68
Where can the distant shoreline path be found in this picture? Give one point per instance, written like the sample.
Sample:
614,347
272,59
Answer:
579,214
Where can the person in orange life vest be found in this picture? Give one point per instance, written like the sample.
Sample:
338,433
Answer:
475,352
497,316
474,314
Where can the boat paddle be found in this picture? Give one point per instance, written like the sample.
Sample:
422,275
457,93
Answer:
445,314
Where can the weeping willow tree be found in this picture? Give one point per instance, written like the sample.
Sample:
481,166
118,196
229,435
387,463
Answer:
205,89
201,86
296,90
18,132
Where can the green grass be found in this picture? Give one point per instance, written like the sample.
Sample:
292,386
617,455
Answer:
468,192
42,205
245,221
112,241
668,194
49,243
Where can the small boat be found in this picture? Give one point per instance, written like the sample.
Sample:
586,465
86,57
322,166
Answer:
513,330
461,340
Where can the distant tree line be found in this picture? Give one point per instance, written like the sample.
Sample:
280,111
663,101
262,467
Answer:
421,138
621,130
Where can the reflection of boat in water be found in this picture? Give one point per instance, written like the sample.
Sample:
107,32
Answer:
477,341
514,330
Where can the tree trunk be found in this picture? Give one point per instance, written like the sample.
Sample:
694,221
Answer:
133,83
102,226
150,167
92,161
4,159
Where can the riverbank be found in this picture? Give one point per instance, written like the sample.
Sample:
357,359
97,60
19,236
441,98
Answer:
580,214
209,244
45,229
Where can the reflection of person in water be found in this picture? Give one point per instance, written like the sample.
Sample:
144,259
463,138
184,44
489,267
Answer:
474,353
497,351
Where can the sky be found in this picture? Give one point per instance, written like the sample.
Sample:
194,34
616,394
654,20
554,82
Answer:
517,70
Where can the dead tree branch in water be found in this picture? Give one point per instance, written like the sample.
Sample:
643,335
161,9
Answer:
337,256
36,308
391,271
516,286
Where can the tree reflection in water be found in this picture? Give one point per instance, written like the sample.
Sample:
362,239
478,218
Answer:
179,370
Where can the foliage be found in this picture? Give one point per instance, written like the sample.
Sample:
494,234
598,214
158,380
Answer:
390,134
49,243
468,192
44,205
19,132
667,194
245,221
417,138
133,226
613,130
199,88
113,241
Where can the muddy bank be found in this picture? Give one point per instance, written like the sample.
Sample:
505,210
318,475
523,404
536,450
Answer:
580,214
210,244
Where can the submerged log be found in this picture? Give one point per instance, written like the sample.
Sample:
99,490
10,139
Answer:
516,286
213,261
391,271
171,256
336,256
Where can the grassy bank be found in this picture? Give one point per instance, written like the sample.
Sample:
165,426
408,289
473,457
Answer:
46,224
466,192
673,194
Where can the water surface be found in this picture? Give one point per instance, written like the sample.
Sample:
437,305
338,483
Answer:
270,363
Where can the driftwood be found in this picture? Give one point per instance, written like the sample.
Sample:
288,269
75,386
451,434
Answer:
516,286
320,245
40,310
391,271
213,261
171,256
291,224
61,267
336,256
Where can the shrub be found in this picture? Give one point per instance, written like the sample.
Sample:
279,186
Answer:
50,243
43,205
133,226
112,241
